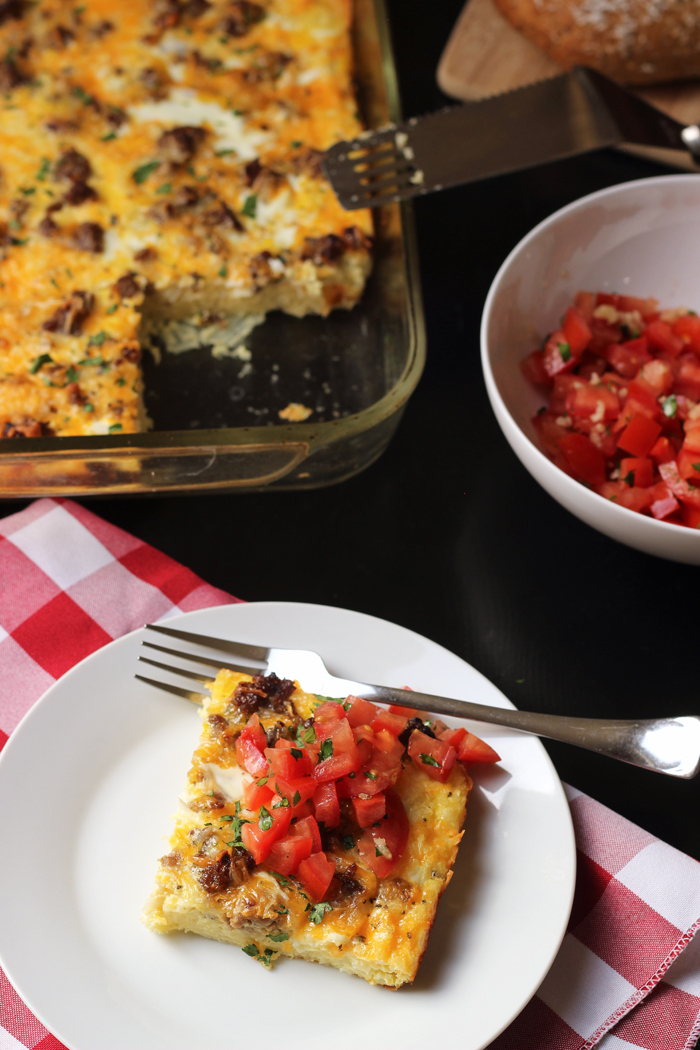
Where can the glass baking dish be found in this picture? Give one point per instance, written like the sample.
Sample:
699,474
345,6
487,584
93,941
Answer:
216,423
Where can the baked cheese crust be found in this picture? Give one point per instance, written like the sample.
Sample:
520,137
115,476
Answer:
161,159
378,927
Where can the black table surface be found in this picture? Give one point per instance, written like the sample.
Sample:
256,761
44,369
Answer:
447,533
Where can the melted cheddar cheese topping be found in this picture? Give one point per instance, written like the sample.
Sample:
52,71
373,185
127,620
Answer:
161,159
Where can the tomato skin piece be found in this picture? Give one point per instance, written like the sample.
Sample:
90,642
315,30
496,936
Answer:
663,451
576,331
627,358
326,804
584,460
587,400
557,355
641,468
443,755
453,737
287,853
406,712
361,712
473,749
386,741
369,810
386,720
661,337
315,875
688,329
260,842
639,436
256,795
248,755
391,836
533,369
303,786
308,826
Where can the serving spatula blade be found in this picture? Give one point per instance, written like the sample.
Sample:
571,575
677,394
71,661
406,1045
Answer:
561,117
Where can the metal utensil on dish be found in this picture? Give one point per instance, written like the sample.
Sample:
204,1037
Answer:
665,745
561,117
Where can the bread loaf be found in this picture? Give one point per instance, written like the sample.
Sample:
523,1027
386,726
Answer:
633,41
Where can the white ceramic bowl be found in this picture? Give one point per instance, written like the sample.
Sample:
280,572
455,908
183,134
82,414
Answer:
639,238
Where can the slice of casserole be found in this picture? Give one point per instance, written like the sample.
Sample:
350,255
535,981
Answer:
320,830
161,161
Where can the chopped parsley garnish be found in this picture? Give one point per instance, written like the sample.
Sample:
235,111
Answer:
86,99
97,361
262,781
108,137
224,152
280,878
670,406
223,272
27,190
282,804
296,753
278,937
696,466
296,143
71,374
237,809
43,169
372,775
97,339
377,851
140,175
427,760
42,359
113,308
348,842
282,910
265,820
318,911
250,206
629,479
296,799
326,750
309,735
87,407
251,949
266,957
166,187
115,428
565,351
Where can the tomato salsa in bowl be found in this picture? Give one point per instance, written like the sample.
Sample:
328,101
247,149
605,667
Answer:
591,356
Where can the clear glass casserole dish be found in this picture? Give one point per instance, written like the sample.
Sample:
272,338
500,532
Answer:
216,423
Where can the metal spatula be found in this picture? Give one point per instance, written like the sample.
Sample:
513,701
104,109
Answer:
567,115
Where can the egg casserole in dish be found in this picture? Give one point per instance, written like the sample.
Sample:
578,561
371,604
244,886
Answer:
316,829
160,161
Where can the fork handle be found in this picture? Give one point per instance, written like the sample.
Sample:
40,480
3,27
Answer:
665,745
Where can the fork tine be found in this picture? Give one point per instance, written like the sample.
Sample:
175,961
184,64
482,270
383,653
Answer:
186,694
178,670
238,668
250,652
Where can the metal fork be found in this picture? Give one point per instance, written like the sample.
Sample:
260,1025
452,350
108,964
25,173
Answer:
665,745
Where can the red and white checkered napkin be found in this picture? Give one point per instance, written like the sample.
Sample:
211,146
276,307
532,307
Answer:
628,972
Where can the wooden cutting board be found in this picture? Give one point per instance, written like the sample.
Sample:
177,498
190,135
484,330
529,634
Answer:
486,55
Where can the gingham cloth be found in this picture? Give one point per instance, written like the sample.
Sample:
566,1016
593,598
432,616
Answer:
628,972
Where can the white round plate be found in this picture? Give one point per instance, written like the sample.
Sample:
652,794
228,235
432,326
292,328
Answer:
89,782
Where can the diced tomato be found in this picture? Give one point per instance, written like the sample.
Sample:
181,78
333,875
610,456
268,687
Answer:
690,516
583,459
257,794
434,757
336,766
286,854
639,436
691,441
308,826
664,503
607,299
548,431
386,720
657,375
661,337
562,386
585,304
533,368
689,466
557,355
368,810
603,334
592,364
295,791
640,469
663,451
315,875
453,737
642,393
381,848
381,772
289,763
473,749
250,744
361,712
259,840
363,732
648,308
576,331
597,401
406,712
326,804
620,493
687,380
688,329
678,485
329,711
386,741
627,358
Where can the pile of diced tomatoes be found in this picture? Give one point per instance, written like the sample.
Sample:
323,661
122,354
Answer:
350,751
624,403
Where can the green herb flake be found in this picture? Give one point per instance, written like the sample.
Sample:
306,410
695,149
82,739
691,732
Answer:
326,750
71,374
278,937
296,799
43,169
27,191
250,206
565,351
166,187
237,809
296,143
696,466
348,842
109,136
140,175
97,339
318,911
428,760
42,359
224,152
263,781
87,407
265,820
629,479
266,957
296,753
281,879
121,381
281,911
111,309
377,852
223,272
115,428
252,950
18,241
86,99
282,804
98,362
309,735
372,775
670,406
